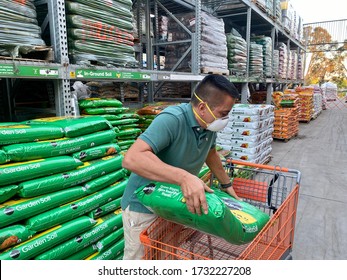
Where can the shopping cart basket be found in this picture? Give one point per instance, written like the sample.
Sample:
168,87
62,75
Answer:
272,189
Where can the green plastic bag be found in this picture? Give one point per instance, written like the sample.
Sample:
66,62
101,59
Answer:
22,133
74,126
104,181
76,208
89,171
105,209
235,221
58,147
111,254
14,235
22,171
110,239
121,116
84,253
106,110
97,152
16,210
43,242
127,126
129,132
3,157
99,102
104,227
7,192
124,121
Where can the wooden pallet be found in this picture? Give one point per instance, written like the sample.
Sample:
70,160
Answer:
286,139
267,160
37,54
211,70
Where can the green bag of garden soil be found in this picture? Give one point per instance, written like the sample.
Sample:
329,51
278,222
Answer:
105,110
76,208
104,181
22,171
7,192
112,253
103,228
89,171
235,221
99,102
16,210
106,242
97,152
3,157
105,209
58,147
22,133
48,239
74,126
14,235
121,116
84,253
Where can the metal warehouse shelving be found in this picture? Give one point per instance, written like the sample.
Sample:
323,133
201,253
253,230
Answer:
243,14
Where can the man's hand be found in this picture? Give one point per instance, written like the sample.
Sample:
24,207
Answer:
193,190
231,191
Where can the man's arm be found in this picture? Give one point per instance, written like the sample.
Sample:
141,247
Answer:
141,160
214,163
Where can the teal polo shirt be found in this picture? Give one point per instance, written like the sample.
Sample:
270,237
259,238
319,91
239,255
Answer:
177,139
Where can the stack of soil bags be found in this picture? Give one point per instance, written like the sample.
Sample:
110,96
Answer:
213,46
248,134
60,188
237,54
101,32
20,32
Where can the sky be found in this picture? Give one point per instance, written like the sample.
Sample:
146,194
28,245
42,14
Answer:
320,10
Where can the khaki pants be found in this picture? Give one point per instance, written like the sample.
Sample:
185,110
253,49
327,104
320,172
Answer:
133,224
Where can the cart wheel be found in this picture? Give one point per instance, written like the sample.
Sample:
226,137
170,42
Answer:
289,258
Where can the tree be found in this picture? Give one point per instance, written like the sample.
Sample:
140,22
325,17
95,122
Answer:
328,58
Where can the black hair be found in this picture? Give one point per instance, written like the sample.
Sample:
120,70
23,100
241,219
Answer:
212,88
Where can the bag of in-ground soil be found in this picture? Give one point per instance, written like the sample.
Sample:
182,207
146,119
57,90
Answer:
22,171
84,253
99,102
104,227
235,221
89,171
58,147
3,157
97,152
48,239
74,126
110,239
22,133
16,210
7,192
14,235
105,209
105,110
104,181
76,208
111,253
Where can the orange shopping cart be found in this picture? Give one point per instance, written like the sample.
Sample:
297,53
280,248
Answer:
272,189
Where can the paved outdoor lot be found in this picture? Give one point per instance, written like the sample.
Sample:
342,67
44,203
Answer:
320,153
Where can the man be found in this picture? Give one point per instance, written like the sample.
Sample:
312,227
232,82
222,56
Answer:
173,150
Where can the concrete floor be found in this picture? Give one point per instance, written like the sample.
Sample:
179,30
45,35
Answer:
320,153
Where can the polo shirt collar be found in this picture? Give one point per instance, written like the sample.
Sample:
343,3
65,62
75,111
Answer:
191,117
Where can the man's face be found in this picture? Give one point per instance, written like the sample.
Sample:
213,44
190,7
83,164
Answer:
220,111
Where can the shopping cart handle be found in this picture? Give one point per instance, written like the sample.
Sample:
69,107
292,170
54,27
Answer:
255,165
